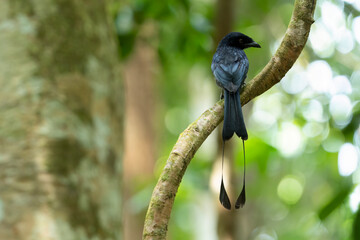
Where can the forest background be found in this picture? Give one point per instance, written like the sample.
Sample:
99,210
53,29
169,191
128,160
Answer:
93,97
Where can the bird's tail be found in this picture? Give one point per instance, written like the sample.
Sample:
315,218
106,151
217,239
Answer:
233,117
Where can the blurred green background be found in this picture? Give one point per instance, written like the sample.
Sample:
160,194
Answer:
303,175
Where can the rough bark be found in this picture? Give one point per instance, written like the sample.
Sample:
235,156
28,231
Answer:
189,141
61,121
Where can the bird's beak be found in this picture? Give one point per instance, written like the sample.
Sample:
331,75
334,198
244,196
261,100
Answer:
254,44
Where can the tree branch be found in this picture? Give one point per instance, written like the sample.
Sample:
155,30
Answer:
190,140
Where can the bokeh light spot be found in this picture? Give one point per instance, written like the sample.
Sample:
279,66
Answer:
333,17
341,84
354,199
313,129
290,189
357,137
264,233
334,141
264,236
176,120
356,4
295,80
263,120
355,28
289,141
124,21
345,41
313,111
321,41
340,109
319,75
347,159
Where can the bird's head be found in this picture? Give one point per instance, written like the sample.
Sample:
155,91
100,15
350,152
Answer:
238,40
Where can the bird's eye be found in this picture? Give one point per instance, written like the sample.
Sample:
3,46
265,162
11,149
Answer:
240,40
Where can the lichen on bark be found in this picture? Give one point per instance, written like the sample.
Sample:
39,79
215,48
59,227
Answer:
60,94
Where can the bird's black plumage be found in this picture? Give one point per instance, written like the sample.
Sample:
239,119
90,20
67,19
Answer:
230,66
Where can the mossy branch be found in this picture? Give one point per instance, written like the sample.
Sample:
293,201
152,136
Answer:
158,214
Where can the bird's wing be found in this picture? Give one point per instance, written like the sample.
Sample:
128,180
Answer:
231,75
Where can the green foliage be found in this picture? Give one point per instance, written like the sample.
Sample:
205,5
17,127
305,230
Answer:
338,199
356,226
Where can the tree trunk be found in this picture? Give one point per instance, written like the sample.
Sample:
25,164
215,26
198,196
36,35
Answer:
61,121
140,133
226,221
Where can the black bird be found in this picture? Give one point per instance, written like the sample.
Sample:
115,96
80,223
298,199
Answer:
230,66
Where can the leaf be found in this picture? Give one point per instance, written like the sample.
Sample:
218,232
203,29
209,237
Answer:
338,199
356,226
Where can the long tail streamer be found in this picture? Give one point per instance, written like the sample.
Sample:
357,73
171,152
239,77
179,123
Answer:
240,202
224,198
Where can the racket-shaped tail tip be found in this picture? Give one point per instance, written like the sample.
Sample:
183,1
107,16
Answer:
224,198
240,202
